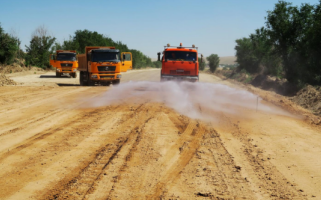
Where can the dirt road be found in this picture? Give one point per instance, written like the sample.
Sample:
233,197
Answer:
62,141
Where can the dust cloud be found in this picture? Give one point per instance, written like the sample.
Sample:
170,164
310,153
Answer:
204,101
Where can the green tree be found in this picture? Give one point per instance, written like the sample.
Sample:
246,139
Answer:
39,49
289,45
312,44
257,54
287,27
245,55
9,47
214,61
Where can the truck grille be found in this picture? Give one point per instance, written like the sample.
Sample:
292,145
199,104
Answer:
66,64
106,76
106,68
175,72
64,69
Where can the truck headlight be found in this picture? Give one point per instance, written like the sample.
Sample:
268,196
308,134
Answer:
94,76
58,69
74,70
119,76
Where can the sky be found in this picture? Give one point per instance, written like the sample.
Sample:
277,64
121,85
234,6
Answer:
145,25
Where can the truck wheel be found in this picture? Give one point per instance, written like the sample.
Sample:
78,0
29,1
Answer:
74,75
58,74
116,82
83,79
161,78
91,83
106,84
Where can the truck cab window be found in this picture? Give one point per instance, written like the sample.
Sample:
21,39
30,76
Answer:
105,56
66,57
180,56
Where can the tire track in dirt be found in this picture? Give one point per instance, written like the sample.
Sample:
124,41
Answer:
261,172
211,173
132,147
45,148
84,182
107,183
149,163
22,113
179,121
38,122
187,145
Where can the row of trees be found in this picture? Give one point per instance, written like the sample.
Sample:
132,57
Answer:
287,46
42,44
83,38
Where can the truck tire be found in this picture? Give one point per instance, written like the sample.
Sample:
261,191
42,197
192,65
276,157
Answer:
116,82
90,83
161,78
58,74
106,84
73,75
83,78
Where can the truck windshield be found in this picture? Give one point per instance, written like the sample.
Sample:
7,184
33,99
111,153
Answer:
66,57
180,55
105,56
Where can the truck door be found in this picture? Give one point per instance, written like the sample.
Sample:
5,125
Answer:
127,62
52,60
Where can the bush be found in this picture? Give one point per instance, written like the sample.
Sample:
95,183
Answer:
228,67
214,61
9,47
157,64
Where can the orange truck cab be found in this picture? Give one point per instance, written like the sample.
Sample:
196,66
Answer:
103,65
65,62
127,63
179,63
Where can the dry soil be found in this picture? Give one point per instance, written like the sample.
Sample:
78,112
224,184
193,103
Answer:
55,146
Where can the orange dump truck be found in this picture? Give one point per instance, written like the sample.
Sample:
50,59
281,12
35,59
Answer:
179,63
102,65
65,62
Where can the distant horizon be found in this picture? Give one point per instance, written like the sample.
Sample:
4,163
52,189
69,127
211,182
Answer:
147,26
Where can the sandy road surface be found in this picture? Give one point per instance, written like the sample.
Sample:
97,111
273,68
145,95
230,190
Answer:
56,145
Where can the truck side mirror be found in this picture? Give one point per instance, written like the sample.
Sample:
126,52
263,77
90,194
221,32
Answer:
158,54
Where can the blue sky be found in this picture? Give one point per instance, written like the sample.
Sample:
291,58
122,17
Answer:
145,25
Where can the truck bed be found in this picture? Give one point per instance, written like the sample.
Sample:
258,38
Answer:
82,62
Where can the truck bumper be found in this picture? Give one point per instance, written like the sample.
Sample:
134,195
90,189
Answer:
179,78
68,71
105,77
